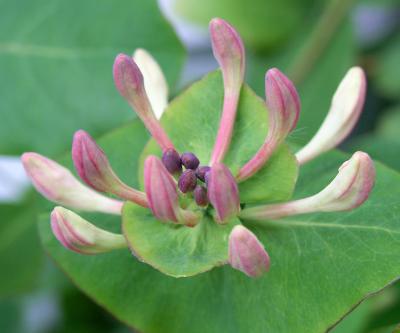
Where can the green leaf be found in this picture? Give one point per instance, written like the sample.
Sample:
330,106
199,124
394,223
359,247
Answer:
192,122
387,74
262,24
57,57
322,266
20,251
176,250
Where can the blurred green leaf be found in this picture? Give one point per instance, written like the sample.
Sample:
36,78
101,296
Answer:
389,124
387,71
262,24
20,250
56,59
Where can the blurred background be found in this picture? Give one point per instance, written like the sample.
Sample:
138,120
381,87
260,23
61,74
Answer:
55,67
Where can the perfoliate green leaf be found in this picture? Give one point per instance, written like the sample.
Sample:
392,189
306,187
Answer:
176,250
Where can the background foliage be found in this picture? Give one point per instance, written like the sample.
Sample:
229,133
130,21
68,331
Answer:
55,65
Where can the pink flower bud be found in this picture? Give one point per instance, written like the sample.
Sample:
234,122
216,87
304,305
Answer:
162,194
223,192
79,235
130,83
344,113
57,184
284,107
154,81
348,190
95,170
229,51
246,253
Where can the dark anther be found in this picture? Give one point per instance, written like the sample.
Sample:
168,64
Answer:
200,195
172,161
190,161
201,172
187,181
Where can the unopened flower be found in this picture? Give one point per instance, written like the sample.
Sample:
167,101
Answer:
348,190
130,83
95,170
162,194
57,184
81,236
155,83
345,110
246,253
229,51
180,190
223,193
284,107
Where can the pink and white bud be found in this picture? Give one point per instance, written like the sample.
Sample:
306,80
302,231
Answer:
162,194
229,51
130,84
223,192
283,104
346,107
95,170
246,253
350,188
155,83
79,235
57,184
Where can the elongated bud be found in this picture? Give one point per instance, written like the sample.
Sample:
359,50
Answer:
283,104
162,194
348,190
345,110
57,184
223,192
229,51
130,83
79,235
155,83
95,170
246,253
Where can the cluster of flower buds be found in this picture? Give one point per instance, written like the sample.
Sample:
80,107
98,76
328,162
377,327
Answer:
189,179
140,81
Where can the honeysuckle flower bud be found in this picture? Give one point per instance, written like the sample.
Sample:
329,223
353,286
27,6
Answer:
246,253
229,51
344,112
172,161
190,160
200,195
187,181
130,84
79,235
95,170
283,104
162,194
155,83
348,190
201,172
223,192
57,184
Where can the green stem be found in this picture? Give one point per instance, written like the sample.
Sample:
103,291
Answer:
319,39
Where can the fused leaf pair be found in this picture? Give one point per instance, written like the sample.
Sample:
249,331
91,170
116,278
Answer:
171,203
